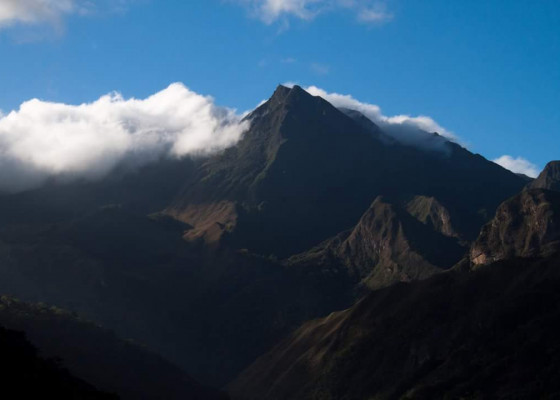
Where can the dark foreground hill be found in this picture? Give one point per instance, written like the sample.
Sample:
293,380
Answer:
486,329
210,312
88,352
26,375
488,334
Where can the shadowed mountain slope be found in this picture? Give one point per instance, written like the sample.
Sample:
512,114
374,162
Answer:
492,333
210,312
25,375
97,356
145,190
487,333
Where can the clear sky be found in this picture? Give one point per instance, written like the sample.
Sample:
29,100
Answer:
488,71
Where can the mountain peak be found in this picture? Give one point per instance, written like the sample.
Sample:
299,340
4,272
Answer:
549,178
279,189
284,98
297,98
282,93
299,89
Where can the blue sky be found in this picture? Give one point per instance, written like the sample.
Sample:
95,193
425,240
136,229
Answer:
488,71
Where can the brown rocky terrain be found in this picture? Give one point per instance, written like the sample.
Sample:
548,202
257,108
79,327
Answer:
387,245
525,226
549,178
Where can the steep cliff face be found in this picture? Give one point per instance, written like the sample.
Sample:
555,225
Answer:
528,225
549,178
431,212
387,245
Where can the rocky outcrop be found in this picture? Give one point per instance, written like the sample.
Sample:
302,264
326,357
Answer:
431,212
527,225
549,178
387,245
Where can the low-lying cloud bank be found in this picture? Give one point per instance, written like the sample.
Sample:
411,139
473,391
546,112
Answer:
43,139
415,131
518,165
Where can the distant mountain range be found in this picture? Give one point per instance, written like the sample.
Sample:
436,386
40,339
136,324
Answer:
234,268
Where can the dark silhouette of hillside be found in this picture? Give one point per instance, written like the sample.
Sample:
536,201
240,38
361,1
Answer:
25,375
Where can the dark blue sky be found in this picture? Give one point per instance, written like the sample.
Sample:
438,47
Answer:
489,71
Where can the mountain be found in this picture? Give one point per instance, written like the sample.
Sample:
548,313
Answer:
485,329
280,187
368,125
143,191
549,178
527,179
389,245
492,333
27,375
194,258
97,356
306,171
431,212
524,226
209,312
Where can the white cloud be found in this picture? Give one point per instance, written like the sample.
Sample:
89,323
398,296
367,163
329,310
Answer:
375,14
43,139
518,165
36,11
405,128
270,11
52,12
